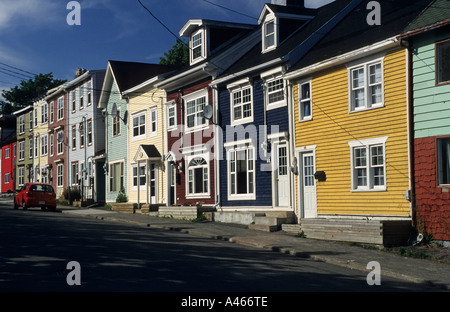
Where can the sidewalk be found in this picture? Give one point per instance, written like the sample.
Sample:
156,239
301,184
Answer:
354,257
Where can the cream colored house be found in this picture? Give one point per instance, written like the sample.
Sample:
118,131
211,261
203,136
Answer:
146,141
40,148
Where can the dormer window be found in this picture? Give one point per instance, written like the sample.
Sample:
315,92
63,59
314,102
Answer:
197,47
269,35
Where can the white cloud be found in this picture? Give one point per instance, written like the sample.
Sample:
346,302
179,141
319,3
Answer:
26,13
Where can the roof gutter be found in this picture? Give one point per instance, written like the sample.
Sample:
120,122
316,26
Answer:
422,30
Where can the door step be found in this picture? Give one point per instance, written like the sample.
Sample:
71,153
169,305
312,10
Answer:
272,221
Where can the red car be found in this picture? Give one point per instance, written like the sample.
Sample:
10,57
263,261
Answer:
36,195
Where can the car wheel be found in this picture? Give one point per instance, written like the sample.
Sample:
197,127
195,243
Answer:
24,206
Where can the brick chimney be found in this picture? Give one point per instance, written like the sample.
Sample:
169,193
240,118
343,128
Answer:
296,3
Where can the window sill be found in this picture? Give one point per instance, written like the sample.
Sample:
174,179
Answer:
276,105
369,190
242,197
195,196
357,110
241,121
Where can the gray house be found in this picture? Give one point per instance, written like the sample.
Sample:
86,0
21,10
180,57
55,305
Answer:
85,133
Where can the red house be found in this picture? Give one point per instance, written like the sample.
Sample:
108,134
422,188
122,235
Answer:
8,152
213,46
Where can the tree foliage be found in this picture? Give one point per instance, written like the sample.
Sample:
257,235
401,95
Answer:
177,55
28,91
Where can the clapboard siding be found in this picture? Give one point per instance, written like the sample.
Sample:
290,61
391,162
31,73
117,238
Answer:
333,127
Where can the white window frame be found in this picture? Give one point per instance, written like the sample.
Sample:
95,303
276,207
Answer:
44,113
52,111
21,123
74,137
268,92
369,166
22,150
438,61
52,144
89,93
60,108
236,90
169,106
81,90
202,46
136,174
36,147
59,145
364,67
6,178
302,101
7,153
74,101
195,97
137,116
111,177
82,136
59,175
35,116
116,124
270,18
189,173
44,144
153,122
21,175
232,149
89,134
31,147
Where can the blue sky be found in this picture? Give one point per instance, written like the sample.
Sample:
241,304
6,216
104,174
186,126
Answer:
36,38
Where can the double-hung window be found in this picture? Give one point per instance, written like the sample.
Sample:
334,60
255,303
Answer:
116,177
269,40
241,172
35,116
194,112
59,175
139,125
241,101
60,108
52,113
44,144
44,113
21,175
368,160
81,128
171,116
242,105
89,93
21,123
81,97
116,124
31,146
89,132
197,44
153,122
60,144
275,92
139,176
74,137
366,86
21,150
75,173
304,101
443,161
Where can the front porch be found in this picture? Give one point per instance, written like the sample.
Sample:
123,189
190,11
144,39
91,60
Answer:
379,232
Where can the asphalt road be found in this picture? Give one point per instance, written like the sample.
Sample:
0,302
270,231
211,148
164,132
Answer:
37,246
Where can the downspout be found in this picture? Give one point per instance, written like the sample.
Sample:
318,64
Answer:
410,103
216,147
291,114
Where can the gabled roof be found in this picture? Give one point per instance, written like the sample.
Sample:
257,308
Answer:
436,15
192,24
130,74
353,32
255,59
285,11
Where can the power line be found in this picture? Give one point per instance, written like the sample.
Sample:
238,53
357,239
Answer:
18,69
231,10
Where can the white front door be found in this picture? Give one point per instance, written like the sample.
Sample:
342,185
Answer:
281,176
308,196
153,183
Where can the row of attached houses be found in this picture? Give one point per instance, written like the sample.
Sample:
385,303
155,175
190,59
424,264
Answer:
316,112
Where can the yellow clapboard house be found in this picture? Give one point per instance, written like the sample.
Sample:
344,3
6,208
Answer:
351,136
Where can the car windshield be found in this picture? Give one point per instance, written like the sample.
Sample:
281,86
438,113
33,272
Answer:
41,188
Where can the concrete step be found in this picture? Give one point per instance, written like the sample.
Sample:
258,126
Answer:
264,227
270,220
